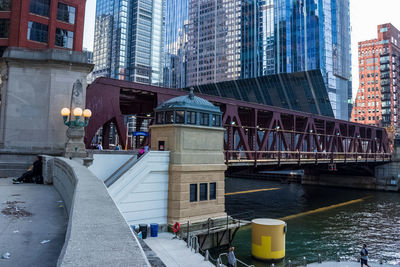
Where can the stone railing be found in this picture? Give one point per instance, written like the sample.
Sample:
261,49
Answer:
97,234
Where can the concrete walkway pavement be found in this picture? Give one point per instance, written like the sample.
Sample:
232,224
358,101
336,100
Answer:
346,264
174,253
30,214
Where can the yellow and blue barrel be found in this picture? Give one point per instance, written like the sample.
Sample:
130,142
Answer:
268,239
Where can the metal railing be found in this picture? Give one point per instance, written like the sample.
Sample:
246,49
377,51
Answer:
194,245
238,262
235,156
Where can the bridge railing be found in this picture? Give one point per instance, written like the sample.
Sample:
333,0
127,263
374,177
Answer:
277,157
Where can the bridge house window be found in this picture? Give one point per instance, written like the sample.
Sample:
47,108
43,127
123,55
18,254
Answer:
191,117
216,120
203,191
169,117
213,191
180,116
193,192
160,118
204,119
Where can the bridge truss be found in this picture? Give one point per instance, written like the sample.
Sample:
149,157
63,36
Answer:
255,133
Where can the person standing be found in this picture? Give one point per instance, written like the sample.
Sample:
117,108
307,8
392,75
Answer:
99,146
231,257
364,255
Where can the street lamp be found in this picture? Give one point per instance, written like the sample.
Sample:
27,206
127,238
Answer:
77,113
75,147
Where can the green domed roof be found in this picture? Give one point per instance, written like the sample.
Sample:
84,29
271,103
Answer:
188,102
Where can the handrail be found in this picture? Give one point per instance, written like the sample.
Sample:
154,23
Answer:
237,261
121,170
248,156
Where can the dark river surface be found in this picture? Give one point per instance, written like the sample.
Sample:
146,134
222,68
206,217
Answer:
375,220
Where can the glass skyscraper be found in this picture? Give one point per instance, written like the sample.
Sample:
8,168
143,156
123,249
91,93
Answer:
221,40
129,40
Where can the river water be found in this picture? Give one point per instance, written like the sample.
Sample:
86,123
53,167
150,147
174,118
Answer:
373,219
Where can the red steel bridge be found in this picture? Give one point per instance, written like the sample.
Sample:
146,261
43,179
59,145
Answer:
255,135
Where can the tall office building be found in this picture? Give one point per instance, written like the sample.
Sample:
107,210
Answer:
377,99
239,39
129,40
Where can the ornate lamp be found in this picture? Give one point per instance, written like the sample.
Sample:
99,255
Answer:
77,113
76,121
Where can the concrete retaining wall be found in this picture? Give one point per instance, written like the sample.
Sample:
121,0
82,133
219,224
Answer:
97,234
107,162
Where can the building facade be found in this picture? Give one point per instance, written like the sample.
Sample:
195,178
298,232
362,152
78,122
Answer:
129,40
42,24
377,99
230,40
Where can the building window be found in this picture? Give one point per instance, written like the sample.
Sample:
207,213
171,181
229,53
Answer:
216,120
191,117
193,192
64,38
37,32
40,7
169,117
203,191
4,28
66,13
5,5
213,191
160,118
204,117
180,116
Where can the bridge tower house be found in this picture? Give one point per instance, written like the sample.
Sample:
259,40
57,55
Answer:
190,128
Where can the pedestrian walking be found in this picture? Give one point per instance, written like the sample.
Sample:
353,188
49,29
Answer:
364,256
231,257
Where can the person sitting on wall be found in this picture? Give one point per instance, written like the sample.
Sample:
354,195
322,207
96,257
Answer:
117,147
33,175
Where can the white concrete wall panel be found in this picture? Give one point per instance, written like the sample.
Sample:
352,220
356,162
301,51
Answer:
106,164
141,193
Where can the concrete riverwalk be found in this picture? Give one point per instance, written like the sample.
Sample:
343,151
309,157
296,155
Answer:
347,264
33,223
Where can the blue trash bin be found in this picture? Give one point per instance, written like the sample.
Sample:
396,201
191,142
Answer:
154,229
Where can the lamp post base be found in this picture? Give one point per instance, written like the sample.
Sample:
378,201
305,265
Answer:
75,147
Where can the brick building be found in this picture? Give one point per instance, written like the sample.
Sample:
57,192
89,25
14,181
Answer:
42,24
377,99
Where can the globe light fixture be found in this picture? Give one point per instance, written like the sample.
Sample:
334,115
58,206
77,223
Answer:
77,113
87,113
65,112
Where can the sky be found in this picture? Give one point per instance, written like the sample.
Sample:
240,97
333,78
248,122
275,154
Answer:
365,15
